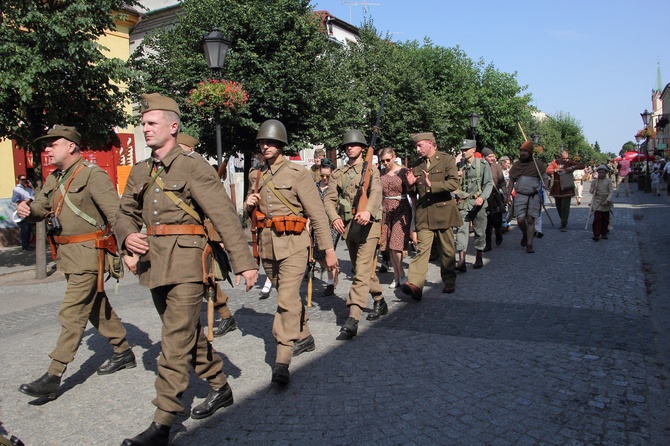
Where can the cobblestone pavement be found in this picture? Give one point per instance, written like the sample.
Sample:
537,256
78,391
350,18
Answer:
567,346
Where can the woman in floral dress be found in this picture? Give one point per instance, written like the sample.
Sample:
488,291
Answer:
397,213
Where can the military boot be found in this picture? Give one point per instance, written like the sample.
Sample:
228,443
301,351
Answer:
379,309
350,327
225,326
45,386
478,261
155,435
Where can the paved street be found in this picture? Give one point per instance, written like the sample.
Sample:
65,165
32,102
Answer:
567,346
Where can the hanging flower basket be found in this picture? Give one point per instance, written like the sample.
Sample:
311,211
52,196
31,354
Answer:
646,133
213,97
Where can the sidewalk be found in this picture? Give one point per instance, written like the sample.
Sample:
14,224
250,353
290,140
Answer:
565,346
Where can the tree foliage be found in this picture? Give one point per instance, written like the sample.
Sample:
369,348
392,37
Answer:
55,71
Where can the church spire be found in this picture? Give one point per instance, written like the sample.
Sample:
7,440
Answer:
659,84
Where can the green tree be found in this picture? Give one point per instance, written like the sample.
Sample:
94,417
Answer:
55,72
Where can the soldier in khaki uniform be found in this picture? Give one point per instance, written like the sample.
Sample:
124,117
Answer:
81,197
227,323
285,198
171,193
435,179
361,231
476,185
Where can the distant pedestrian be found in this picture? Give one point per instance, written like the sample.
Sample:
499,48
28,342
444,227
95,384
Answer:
624,174
656,181
496,201
525,177
315,169
23,192
601,203
563,194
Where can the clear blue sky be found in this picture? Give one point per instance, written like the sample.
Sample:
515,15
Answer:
594,59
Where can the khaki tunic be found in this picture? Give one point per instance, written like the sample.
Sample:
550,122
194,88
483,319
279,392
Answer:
92,192
361,240
285,255
172,268
436,214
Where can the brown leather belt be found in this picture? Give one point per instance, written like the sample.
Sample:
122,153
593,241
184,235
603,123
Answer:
65,239
157,230
284,224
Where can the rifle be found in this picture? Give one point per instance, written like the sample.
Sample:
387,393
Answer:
209,282
254,222
361,199
310,274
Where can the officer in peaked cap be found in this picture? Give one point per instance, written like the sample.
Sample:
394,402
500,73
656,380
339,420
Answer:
74,242
161,194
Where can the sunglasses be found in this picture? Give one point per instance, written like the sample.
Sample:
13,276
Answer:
387,160
325,175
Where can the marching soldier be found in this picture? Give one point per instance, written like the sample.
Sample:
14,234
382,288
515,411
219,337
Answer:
361,231
434,178
79,203
285,198
476,184
170,193
228,322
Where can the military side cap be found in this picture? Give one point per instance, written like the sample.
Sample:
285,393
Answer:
63,131
416,137
154,101
528,146
468,144
187,140
486,151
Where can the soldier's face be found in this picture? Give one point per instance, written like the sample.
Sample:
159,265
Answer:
425,148
158,130
269,148
354,150
59,151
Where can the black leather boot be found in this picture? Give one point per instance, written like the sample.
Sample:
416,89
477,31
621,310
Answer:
350,327
155,435
226,325
304,345
118,361
379,309
478,260
216,399
45,386
280,374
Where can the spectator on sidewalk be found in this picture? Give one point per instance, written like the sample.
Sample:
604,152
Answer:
601,203
22,192
624,170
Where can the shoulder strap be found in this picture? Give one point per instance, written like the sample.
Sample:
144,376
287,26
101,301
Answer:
178,201
78,212
282,198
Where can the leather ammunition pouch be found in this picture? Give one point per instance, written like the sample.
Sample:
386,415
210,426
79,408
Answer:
284,224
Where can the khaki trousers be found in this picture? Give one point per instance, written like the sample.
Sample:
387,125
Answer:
221,305
365,281
419,264
82,303
183,343
290,323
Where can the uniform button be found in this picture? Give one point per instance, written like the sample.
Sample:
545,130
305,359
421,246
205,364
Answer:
155,201
157,190
269,205
174,185
194,242
155,212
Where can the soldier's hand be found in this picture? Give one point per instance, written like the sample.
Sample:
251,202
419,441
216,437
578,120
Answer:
331,260
131,263
137,243
338,225
414,238
23,208
479,201
363,218
253,200
427,178
250,278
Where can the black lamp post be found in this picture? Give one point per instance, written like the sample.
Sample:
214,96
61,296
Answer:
536,139
216,47
646,117
474,121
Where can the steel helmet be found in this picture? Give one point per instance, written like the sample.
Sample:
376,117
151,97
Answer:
272,129
353,136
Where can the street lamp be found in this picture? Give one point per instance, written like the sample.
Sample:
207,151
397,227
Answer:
646,117
474,120
536,139
216,47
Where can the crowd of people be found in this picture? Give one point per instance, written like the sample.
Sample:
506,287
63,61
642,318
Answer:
174,208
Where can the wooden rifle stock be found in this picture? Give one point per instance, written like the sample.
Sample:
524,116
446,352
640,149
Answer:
254,222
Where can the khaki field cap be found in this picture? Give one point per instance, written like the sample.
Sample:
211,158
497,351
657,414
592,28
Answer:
425,136
187,140
63,131
154,101
468,144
